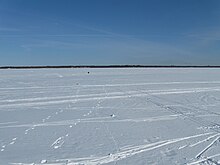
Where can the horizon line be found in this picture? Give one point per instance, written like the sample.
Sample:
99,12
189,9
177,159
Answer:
106,66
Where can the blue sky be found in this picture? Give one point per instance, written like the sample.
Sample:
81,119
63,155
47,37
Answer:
78,32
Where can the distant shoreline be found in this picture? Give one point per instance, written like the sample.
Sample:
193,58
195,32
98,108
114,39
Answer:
109,66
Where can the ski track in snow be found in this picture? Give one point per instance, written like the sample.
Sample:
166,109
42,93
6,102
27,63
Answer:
106,105
60,100
116,85
108,119
123,153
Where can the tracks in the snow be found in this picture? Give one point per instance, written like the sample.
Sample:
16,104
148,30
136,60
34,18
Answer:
102,96
190,112
126,152
196,119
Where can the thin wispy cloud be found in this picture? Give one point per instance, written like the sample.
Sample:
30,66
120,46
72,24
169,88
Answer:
7,29
205,38
97,31
53,35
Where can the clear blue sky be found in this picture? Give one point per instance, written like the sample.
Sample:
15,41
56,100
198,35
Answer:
77,32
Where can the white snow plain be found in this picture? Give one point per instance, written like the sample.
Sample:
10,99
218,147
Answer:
110,116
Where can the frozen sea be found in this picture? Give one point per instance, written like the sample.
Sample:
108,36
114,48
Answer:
146,116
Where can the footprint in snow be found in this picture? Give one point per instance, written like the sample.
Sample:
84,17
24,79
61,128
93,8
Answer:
58,143
113,115
169,152
43,161
3,148
26,131
13,141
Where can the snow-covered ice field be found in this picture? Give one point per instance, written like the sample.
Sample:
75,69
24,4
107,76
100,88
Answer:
110,116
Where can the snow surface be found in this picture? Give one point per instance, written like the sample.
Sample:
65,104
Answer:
110,116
